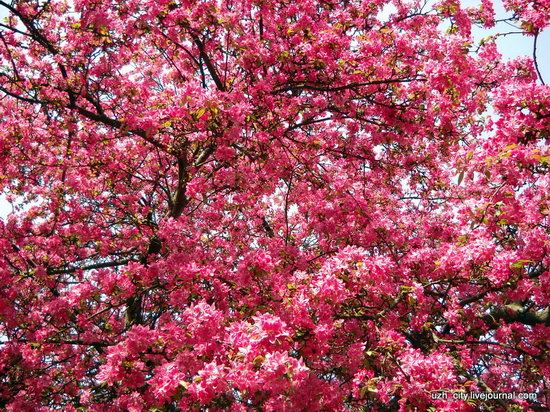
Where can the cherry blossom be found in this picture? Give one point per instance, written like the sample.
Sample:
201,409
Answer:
270,205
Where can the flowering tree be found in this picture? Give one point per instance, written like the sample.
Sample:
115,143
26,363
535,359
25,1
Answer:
271,205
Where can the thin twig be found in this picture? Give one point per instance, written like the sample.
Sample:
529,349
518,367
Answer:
535,58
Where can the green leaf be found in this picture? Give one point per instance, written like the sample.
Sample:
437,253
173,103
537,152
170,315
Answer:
518,264
460,177
199,113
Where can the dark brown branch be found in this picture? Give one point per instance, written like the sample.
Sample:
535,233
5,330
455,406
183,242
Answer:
134,310
323,88
209,65
19,97
203,156
515,312
308,122
267,227
72,269
181,199
475,298
117,124
15,30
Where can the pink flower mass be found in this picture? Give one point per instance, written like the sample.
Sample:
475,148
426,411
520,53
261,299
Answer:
254,205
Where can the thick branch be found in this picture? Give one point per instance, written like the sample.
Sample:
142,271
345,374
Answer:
209,64
19,97
72,269
324,88
117,124
515,312
181,199
204,155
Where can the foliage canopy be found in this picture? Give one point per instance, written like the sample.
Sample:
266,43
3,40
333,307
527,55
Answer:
270,205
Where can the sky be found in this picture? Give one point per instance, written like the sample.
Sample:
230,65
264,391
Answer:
510,46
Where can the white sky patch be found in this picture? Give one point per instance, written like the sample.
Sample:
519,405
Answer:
5,208
386,12
16,206
513,45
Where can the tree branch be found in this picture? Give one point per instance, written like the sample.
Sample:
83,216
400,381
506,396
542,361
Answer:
209,65
72,269
515,312
181,199
323,88
535,58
